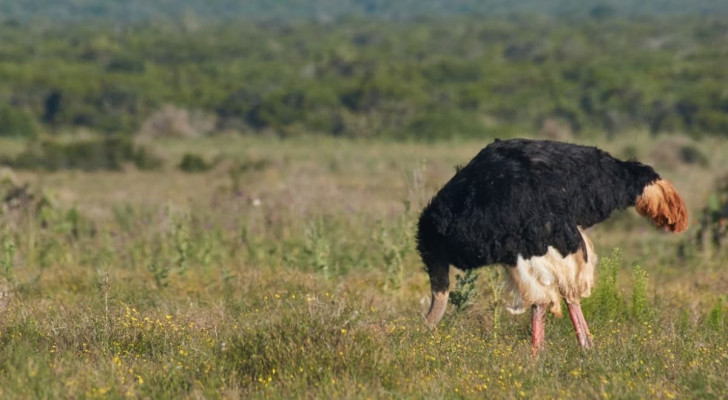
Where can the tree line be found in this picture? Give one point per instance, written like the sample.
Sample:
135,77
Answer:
425,78
130,11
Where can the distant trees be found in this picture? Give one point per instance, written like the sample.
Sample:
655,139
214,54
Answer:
193,11
16,122
435,78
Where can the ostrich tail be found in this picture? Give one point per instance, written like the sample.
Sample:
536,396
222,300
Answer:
661,203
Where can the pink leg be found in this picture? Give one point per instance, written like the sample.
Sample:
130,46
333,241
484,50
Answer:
580,326
538,327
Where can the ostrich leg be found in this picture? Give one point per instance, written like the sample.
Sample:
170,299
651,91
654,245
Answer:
538,327
582,330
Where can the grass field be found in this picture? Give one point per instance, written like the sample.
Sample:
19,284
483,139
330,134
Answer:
289,271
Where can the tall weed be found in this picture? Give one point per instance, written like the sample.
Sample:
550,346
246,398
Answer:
181,241
395,243
640,304
318,248
606,302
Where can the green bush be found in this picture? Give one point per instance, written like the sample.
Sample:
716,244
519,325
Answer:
89,155
465,290
194,163
713,121
16,122
370,79
606,301
125,64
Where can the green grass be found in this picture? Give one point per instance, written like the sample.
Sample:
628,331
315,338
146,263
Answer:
289,271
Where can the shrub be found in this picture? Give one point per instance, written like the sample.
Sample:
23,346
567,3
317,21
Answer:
713,121
606,300
90,155
16,122
194,163
465,290
640,302
126,64
713,228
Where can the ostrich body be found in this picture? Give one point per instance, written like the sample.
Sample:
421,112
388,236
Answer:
524,204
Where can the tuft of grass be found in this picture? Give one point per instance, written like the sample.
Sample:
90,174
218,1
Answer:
718,317
181,241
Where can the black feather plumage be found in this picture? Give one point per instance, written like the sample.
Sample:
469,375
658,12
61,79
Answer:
518,197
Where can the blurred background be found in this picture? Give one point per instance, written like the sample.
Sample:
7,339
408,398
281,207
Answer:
422,70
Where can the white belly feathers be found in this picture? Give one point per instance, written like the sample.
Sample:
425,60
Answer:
549,278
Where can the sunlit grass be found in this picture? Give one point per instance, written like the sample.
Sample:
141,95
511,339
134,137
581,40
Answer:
299,279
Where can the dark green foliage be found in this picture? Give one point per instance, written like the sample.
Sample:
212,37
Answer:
194,163
16,122
446,124
465,290
602,11
125,64
446,77
52,106
98,154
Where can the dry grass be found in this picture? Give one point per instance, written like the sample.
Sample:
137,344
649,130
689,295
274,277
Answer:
289,271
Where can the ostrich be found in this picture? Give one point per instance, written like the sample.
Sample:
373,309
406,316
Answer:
524,204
